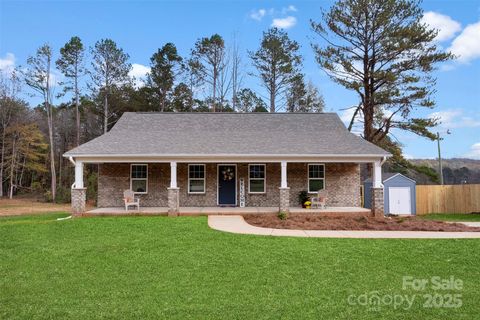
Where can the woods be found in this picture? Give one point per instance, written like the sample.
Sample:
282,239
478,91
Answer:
84,91
384,54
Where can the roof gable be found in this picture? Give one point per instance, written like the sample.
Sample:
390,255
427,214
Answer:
400,177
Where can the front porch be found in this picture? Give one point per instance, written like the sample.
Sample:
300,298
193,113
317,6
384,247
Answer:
205,211
227,187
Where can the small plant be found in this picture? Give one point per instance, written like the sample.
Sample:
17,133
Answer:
307,204
48,196
282,215
303,197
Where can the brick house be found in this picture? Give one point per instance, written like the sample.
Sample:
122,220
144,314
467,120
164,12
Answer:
173,160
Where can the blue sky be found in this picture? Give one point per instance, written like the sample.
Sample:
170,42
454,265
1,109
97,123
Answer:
141,27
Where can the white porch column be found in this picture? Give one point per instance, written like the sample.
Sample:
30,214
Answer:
377,174
78,192
377,191
284,205
173,174
78,174
173,192
283,183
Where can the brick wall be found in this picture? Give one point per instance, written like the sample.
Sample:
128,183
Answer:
114,178
342,185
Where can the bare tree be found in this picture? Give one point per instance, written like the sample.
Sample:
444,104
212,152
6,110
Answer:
38,77
237,76
224,82
9,87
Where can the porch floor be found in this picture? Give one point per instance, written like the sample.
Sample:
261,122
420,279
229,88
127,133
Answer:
193,211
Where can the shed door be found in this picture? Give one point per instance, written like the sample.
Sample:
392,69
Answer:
399,200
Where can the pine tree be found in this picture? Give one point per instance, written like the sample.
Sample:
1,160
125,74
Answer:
381,50
71,65
277,62
110,68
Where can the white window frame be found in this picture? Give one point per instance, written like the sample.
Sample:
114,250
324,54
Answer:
308,176
204,178
142,179
264,178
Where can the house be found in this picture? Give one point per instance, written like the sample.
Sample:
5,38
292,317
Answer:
227,159
399,194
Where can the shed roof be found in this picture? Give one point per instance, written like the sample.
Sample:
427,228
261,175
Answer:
156,134
389,175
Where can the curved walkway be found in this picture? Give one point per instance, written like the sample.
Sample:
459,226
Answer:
236,224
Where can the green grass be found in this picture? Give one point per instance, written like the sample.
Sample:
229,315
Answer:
160,267
451,217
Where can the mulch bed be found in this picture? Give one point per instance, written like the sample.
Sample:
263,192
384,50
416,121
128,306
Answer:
319,222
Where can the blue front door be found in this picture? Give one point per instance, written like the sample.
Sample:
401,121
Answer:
227,190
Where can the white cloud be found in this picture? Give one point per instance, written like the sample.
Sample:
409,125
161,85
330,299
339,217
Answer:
446,26
455,118
55,79
467,45
290,8
284,23
474,152
258,14
138,73
7,64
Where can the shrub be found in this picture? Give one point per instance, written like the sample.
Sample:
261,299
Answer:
37,187
63,195
282,215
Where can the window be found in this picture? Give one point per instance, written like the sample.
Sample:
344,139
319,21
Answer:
196,178
316,177
256,178
139,178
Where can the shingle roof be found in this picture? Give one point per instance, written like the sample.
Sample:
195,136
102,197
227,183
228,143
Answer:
228,134
385,176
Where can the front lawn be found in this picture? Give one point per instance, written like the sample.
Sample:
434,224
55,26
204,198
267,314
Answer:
451,217
160,267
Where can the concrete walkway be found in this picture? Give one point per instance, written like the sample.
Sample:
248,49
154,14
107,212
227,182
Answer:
467,223
236,224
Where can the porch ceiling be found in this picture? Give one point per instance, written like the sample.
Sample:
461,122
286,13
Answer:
229,158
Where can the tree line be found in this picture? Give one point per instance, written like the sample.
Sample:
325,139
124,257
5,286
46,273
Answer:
379,49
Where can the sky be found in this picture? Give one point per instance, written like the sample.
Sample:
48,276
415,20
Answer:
141,27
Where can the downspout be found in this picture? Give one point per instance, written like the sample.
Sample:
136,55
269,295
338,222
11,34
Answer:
381,163
73,185
74,164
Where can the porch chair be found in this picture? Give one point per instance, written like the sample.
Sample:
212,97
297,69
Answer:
129,199
319,200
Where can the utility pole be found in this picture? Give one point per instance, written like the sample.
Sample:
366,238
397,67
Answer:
440,167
